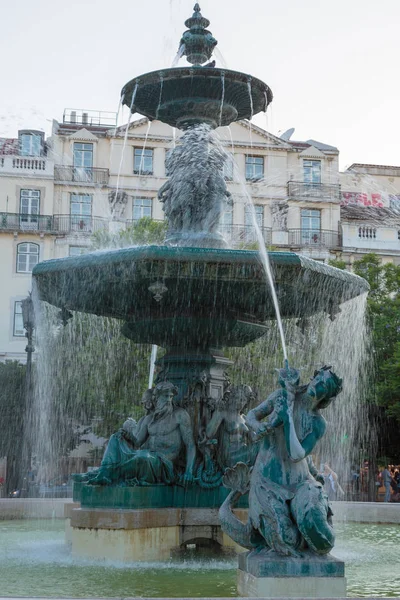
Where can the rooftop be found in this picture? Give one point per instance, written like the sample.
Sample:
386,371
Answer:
388,170
319,145
378,216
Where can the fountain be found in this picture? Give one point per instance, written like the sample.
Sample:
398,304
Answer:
162,479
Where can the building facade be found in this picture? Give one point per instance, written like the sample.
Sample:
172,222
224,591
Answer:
91,175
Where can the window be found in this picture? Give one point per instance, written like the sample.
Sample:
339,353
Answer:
29,208
227,216
142,207
229,167
83,162
30,144
142,161
312,171
310,226
18,326
249,232
81,212
27,257
254,167
248,216
77,250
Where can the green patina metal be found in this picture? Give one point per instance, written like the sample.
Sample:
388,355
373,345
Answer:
191,95
211,297
288,509
198,43
183,97
152,496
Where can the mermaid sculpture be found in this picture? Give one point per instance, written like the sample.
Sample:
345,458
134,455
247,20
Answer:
288,509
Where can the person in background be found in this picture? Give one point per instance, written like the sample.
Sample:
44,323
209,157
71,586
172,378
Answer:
386,481
332,485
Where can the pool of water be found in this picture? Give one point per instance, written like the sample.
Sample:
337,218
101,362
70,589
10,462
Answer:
34,561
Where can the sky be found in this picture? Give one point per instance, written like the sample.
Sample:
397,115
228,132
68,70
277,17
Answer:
333,66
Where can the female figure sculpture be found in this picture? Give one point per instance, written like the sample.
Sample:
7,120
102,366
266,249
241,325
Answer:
227,427
288,509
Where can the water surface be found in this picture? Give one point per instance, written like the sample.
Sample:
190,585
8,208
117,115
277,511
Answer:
34,561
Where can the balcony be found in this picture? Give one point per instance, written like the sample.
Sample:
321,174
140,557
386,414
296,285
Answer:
51,224
311,238
314,192
240,235
26,223
26,165
81,175
66,224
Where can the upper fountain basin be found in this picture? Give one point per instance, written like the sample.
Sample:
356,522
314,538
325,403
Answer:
213,297
187,96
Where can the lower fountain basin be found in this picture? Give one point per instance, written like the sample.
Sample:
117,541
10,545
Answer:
163,292
35,561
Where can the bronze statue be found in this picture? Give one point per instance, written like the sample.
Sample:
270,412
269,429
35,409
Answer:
148,453
288,509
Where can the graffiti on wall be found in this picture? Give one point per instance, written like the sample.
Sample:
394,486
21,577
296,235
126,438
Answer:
363,199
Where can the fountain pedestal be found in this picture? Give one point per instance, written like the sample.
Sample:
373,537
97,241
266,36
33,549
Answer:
145,534
269,575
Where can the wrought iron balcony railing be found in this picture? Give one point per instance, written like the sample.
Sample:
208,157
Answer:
322,238
64,224
240,235
23,222
237,235
85,175
321,192
51,224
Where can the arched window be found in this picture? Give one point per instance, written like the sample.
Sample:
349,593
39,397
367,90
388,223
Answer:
27,257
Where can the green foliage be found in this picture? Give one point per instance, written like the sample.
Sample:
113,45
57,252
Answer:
145,231
339,264
93,375
384,315
12,419
12,403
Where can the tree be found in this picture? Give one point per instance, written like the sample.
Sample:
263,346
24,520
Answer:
336,262
12,410
143,232
384,318
88,372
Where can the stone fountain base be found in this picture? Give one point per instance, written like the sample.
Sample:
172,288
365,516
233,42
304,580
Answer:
145,535
268,575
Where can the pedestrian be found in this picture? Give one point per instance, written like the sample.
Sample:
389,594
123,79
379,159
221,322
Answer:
332,485
386,481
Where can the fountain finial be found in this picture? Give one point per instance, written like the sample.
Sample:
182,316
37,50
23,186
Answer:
198,42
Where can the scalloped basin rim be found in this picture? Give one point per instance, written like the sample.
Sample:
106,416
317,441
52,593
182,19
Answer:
215,255
214,73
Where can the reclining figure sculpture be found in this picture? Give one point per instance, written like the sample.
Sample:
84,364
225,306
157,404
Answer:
149,452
